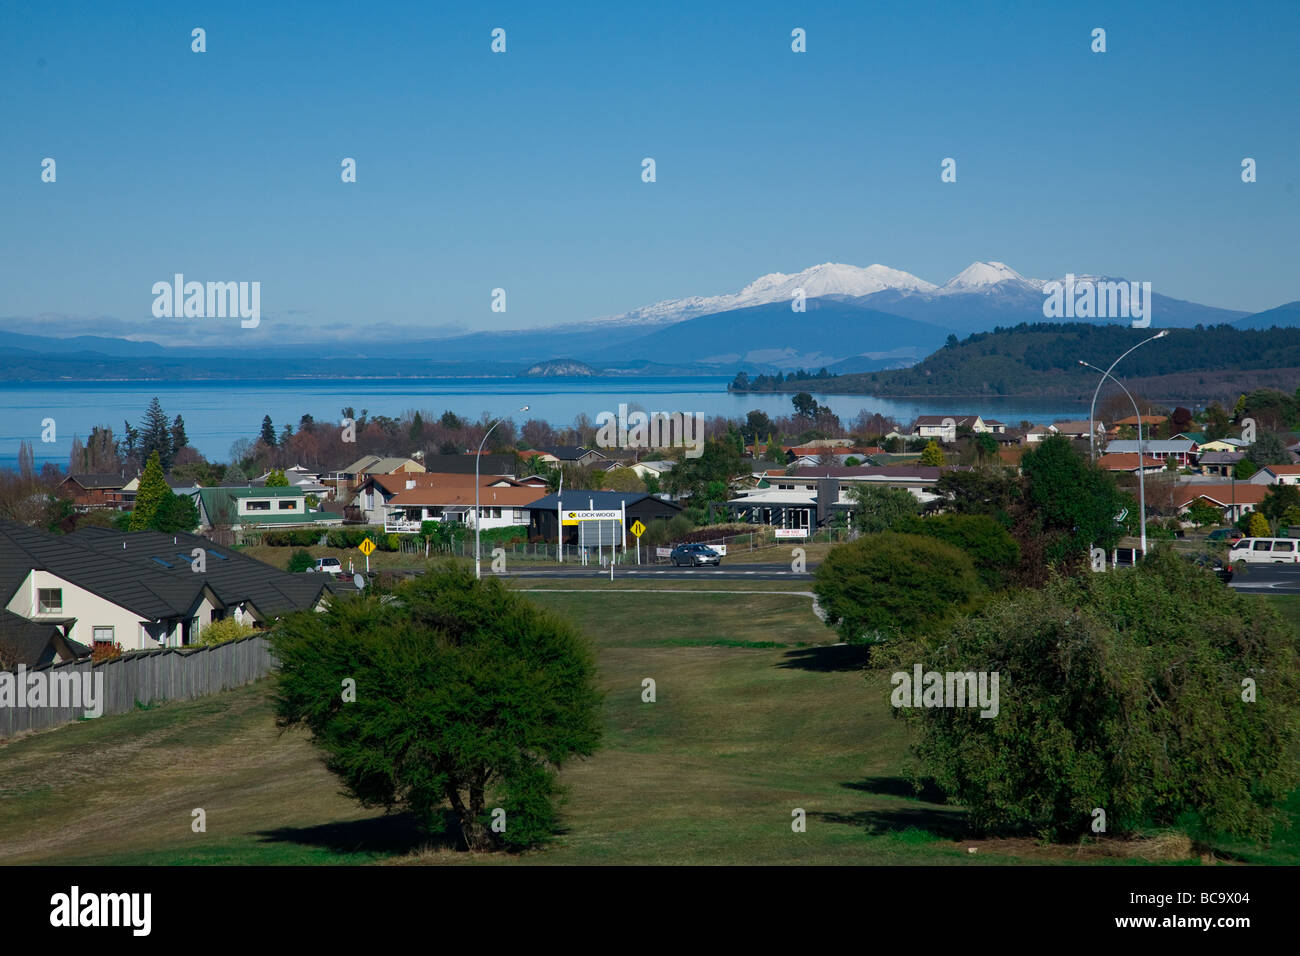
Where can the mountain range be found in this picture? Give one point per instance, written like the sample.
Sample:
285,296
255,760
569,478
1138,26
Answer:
855,319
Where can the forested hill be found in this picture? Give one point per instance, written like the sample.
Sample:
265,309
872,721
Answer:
1042,360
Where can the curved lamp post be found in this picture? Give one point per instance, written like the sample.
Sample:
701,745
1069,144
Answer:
1142,487
1092,425
478,564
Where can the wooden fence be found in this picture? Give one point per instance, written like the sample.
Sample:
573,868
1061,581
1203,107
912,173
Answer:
146,677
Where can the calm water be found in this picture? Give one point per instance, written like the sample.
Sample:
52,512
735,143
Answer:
218,413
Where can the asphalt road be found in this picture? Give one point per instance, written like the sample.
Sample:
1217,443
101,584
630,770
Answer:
1268,579
744,572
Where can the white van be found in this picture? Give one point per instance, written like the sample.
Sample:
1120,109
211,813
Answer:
1265,551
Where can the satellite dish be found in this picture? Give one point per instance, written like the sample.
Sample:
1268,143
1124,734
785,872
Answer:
359,581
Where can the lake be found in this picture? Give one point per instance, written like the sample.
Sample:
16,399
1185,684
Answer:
217,413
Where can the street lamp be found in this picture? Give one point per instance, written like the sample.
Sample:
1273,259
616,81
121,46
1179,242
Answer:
478,564
1092,425
1142,485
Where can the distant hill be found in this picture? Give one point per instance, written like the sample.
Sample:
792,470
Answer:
831,330
558,367
1284,316
1041,361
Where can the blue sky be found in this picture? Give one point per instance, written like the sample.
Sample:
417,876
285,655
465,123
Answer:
522,170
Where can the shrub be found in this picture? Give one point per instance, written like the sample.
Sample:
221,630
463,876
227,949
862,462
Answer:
1258,526
219,632
889,584
105,652
989,545
301,560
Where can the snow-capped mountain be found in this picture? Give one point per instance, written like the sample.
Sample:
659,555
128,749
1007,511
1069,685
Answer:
983,277
830,278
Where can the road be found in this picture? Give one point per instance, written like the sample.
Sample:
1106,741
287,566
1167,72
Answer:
743,572
1268,579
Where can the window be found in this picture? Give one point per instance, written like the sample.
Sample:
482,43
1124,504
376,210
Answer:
1288,546
257,506
288,505
1262,544
103,635
49,601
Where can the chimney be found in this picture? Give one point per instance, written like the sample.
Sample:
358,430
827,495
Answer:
410,483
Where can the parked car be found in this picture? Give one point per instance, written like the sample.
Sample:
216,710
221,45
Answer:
694,555
1225,534
1264,551
328,566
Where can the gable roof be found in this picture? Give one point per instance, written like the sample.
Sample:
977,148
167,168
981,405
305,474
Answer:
1127,461
1222,494
570,452
600,500
31,642
93,482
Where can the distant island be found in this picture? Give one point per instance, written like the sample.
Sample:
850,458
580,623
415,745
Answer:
556,368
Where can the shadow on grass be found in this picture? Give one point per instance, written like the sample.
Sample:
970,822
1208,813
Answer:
835,657
900,787
395,834
928,815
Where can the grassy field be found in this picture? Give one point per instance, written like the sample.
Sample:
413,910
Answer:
757,714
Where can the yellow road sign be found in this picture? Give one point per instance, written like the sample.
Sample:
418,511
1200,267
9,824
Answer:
637,528
366,547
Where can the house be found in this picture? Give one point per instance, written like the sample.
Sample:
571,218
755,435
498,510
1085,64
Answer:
501,504
932,426
918,479
92,491
1215,444
1233,498
373,501
574,455
1039,432
652,469
1128,462
1181,450
1079,429
32,643
1277,475
1147,421
248,508
488,464
139,589
544,513
1219,463
349,476
541,456
307,481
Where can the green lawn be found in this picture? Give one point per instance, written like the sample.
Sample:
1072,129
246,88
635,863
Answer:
757,714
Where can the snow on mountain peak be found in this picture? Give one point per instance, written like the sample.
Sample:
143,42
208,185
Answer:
982,276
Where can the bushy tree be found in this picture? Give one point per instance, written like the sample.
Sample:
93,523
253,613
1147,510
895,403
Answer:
1156,694
1269,449
227,629
1202,513
1075,501
1257,526
988,544
277,479
932,454
1278,499
150,494
884,585
467,694
175,513
877,508
156,435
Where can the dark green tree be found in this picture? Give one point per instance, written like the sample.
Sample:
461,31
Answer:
1075,502
1155,693
416,432
877,508
178,436
301,560
175,513
467,695
1269,449
150,494
988,544
156,434
268,431
805,406
886,585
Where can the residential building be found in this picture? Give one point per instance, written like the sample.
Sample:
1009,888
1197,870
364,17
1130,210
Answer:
1232,498
92,491
544,513
242,509
1128,462
1277,475
1181,450
139,590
